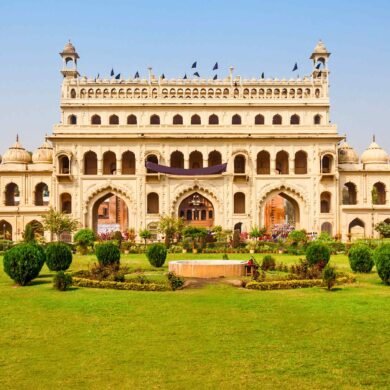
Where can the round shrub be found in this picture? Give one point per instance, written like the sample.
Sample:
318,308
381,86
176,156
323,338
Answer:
58,256
23,262
62,281
382,262
268,263
84,238
360,258
156,254
317,254
107,254
329,276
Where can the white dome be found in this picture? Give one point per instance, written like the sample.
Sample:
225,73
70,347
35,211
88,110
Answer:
320,48
44,154
374,154
347,154
16,154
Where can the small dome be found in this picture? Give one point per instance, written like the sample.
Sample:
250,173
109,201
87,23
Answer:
69,48
44,154
374,154
347,154
16,154
320,48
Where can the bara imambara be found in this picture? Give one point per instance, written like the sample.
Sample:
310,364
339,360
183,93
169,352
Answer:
233,152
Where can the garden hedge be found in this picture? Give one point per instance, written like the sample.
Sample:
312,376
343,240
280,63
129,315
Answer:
80,282
58,256
382,262
360,258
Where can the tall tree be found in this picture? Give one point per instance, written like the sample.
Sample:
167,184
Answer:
170,226
57,223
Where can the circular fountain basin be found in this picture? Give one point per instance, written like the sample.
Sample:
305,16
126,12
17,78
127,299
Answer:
208,268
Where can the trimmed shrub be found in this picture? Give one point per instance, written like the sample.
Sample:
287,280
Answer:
58,256
156,254
317,254
175,281
84,239
23,262
268,263
80,282
62,281
360,258
382,262
329,276
108,254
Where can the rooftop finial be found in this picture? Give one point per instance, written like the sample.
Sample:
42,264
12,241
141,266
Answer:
373,138
17,137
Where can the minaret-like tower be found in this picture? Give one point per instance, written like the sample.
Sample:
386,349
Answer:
69,57
320,57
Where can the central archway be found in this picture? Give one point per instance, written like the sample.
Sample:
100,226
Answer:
109,214
197,210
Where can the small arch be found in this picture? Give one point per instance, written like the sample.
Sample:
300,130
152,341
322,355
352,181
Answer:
152,203
300,163
295,119
5,230
72,120
128,163
326,227
378,193
41,194
277,119
177,159
73,93
325,200
349,193
317,119
239,203
282,165
238,226
213,120
66,203
114,120
109,163
12,195
195,120
356,229
96,120
132,119
37,228
63,165
259,119
327,163
154,119
239,163
215,158
90,163
236,119
263,163
196,160
153,159
177,120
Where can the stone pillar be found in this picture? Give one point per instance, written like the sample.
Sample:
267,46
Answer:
100,166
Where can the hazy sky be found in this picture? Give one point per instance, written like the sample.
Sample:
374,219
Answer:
254,36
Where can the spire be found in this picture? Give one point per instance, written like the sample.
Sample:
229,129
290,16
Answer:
17,137
373,138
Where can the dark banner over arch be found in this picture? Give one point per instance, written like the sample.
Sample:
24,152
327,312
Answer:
214,170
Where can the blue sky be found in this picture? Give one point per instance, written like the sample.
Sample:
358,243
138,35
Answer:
254,36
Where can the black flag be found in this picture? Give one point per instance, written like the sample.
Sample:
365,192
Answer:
262,75
163,76
136,76
118,76
98,75
196,74
295,67
318,65
193,65
185,77
215,77
215,66
112,72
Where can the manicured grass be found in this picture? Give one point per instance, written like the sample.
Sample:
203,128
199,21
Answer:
216,337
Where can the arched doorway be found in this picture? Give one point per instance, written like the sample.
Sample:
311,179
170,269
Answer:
197,210
356,229
5,230
110,214
281,214
37,228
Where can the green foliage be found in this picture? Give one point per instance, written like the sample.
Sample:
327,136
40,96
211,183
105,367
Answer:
325,237
62,281
318,253
304,270
268,263
225,256
297,238
383,228
156,254
175,281
28,234
81,282
145,234
382,262
108,254
57,223
170,227
58,256
5,245
257,232
23,262
329,276
117,236
283,284
84,238
360,258
107,272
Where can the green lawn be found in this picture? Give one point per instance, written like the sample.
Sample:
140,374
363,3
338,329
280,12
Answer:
216,337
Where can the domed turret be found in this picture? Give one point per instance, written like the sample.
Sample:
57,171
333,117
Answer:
44,154
374,154
16,154
347,154
69,48
320,48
